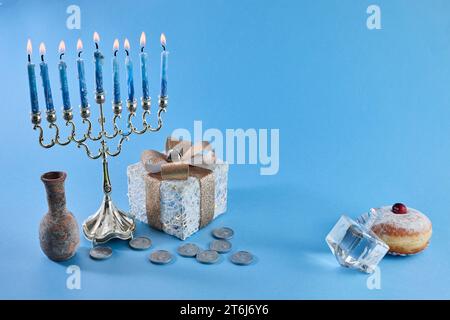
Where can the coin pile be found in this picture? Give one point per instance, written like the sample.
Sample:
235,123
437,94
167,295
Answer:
103,252
218,246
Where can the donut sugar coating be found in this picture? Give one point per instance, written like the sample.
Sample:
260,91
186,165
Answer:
405,230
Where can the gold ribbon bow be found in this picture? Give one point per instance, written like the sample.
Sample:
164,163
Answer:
179,155
180,161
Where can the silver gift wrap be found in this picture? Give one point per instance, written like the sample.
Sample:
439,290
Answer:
179,199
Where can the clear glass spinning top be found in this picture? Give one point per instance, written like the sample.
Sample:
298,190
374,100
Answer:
354,245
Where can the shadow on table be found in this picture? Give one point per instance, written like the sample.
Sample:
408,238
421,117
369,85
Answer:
280,224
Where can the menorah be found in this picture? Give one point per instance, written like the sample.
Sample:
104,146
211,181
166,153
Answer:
109,221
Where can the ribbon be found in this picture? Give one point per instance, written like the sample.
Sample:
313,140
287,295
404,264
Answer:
180,161
179,155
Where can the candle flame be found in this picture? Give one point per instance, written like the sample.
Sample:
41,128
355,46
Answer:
126,44
116,45
143,40
42,49
29,47
62,47
79,45
96,37
163,39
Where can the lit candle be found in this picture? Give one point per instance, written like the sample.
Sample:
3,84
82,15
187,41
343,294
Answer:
116,79
45,80
81,77
164,58
98,59
144,73
32,81
129,66
63,77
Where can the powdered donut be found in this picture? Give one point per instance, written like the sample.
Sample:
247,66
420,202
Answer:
405,230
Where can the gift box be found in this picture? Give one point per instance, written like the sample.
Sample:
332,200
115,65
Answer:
178,191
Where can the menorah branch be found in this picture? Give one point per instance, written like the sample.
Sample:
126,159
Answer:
115,128
119,147
88,151
160,123
89,132
41,137
163,101
133,129
57,137
73,134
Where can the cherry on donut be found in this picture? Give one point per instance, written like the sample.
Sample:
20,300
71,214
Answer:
399,208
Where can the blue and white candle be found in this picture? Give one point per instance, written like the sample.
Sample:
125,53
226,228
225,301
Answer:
129,67
116,77
32,81
45,80
164,65
144,72
63,77
81,76
98,60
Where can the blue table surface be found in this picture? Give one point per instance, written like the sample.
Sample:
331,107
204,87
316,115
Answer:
364,120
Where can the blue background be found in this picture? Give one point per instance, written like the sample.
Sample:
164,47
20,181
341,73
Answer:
363,116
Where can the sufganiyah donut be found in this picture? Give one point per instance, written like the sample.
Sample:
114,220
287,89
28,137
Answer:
405,230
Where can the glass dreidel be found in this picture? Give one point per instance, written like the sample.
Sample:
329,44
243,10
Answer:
354,245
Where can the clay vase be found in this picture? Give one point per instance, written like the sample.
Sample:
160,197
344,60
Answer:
58,232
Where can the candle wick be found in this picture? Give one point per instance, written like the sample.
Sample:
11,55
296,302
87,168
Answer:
127,52
42,57
115,53
61,55
79,54
142,49
96,46
29,58
164,47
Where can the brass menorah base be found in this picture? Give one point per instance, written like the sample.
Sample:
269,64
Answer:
108,222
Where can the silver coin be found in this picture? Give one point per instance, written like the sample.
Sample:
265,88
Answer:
221,246
242,258
100,253
207,256
223,233
188,250
140,243
160,257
